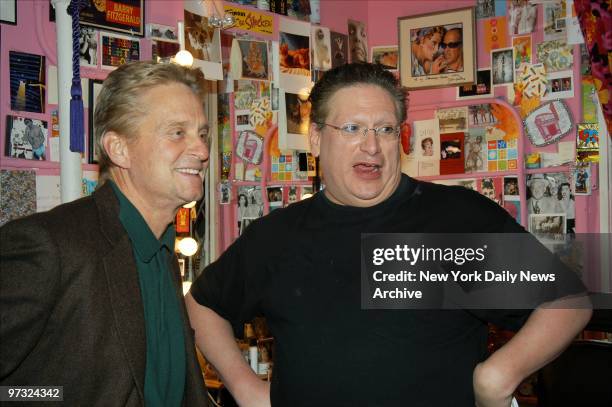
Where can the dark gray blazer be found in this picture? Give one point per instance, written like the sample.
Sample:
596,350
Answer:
71,312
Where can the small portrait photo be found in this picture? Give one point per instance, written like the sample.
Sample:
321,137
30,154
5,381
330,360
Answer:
292,195
387,56
26,138
225,190
254,59
582,179
88,46
242,119
357,41
480,89
502,66
560,85
298,113
511,187
321,48
427,147
490,189
294,54
339,49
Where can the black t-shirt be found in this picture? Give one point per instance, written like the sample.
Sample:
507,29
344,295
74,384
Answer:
300,268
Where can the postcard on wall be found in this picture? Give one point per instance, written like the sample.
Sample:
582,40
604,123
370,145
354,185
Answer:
387,56
321,48
531,80
475,150
502,66
511,188
118,50
523,15
451,153
582,179
587,143
546,192
426,139
554,20
27,76
357,41
275,197
339,48
485,9
555,55
492,188
481,115
495,33
26,138
294,55
242,120
453,119
202,40
481,89
560,85
522,50
17,194
294,120
88,47
250,59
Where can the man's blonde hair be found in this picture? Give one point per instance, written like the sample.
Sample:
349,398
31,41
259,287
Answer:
119,107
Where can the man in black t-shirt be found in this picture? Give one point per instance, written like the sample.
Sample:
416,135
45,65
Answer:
300,268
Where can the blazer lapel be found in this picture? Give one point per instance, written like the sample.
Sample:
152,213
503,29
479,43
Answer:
123,285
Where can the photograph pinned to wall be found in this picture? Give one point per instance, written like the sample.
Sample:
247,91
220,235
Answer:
560,85
451,153
545,193
245,94
553,12
357,41
253,60
427,145
531,80
495,32
587,143
162,32
249,147
437,49
88,46
502,66
124,16
452,120
339,49
387,56
118,50
164,49
555,55
17,194
522,15
250,205
8,12
511,189
321,48
298,113
485,9
548,123
294,55
548,228
522,50
582,179
27,76
95,87
481,115
26,138
225,191
475,150
242,120
481,89
492,188
201,40
275,197
292,195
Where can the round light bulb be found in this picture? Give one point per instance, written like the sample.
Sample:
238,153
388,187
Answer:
188,246
189,204
184,58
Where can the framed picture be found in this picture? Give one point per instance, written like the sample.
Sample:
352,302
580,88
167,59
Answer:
8,12
437,49
95,86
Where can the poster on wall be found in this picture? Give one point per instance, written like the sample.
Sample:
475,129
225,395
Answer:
124,16
201,40
294,55
27,77
118,50
26,138
249,60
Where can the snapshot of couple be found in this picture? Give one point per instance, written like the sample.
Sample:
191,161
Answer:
437,50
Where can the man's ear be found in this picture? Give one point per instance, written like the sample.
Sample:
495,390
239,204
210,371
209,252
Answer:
314,135
116,147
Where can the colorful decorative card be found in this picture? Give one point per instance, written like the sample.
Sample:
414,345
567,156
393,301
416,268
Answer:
587,143
556,55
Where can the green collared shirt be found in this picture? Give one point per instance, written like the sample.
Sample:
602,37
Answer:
165,365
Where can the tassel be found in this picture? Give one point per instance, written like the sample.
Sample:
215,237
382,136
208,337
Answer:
77,130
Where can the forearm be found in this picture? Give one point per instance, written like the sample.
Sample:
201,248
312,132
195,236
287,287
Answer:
544,336
215,339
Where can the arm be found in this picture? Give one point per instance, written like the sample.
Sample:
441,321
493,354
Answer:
214,337
544,336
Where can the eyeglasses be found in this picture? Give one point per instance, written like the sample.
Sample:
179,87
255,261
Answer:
353,131
451,45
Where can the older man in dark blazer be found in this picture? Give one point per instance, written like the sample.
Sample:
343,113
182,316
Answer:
90,293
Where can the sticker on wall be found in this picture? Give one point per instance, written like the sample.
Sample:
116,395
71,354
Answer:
249,147
27,76
548,123
522,50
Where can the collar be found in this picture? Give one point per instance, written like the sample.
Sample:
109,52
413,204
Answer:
144,242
